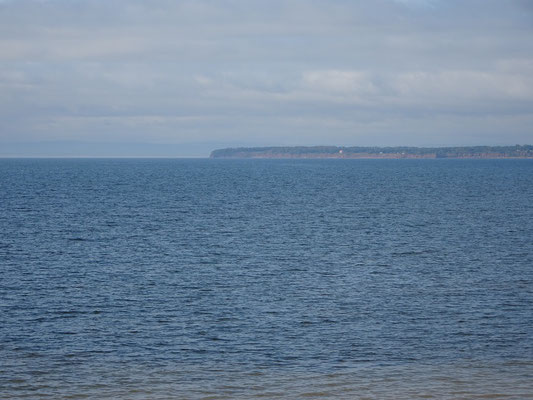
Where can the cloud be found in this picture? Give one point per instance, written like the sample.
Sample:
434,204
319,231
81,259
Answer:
417,3
336,81
258,72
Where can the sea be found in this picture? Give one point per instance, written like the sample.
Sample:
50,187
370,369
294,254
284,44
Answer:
266,279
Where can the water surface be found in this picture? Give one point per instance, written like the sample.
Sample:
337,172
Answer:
266,278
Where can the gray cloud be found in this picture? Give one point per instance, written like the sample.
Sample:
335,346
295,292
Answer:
387,72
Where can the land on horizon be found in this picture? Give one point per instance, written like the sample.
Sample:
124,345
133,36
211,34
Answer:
475,152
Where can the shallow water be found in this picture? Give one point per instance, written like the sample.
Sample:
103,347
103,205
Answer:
509,380
266,278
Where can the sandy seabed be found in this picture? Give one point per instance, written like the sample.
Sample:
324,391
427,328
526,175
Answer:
467,380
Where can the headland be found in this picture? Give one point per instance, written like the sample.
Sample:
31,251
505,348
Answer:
473,152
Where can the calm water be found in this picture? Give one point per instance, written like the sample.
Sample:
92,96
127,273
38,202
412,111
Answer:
227,279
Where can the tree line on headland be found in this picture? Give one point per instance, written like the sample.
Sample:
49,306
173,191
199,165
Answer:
518,151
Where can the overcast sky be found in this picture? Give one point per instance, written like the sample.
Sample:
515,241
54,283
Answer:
194,75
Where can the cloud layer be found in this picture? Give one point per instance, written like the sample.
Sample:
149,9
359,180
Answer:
386,72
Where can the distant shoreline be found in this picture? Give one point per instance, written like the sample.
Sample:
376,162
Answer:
314,152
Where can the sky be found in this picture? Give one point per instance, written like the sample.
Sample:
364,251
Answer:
181,78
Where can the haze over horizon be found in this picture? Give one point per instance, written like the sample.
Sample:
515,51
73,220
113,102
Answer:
181,78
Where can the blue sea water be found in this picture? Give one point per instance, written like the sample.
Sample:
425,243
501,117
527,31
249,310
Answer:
228,279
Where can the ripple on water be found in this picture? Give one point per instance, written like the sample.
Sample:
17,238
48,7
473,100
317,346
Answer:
265,279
